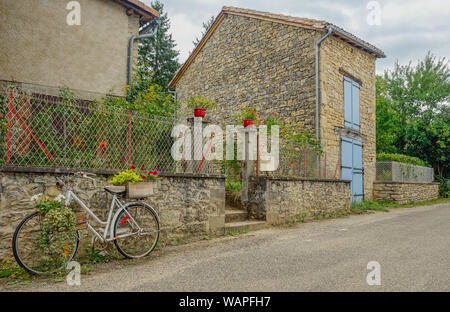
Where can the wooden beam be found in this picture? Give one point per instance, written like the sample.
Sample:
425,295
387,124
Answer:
352,77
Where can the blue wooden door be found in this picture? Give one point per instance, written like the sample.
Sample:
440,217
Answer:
352,166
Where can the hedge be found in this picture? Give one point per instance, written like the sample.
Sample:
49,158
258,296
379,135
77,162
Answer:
402,159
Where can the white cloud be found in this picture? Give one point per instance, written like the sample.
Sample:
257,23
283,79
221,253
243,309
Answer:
184,31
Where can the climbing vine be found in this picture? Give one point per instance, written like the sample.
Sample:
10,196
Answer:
58,232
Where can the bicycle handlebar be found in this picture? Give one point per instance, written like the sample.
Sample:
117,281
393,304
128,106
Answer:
60,184
85,174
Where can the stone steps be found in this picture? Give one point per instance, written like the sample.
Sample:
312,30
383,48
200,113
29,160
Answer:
244,226
235,216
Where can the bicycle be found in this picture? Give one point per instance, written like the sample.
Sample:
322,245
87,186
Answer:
134,228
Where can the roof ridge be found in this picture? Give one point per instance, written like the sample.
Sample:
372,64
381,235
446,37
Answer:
317,25
314,23
309,21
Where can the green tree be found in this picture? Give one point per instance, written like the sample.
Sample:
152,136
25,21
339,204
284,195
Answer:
387,120
413,114
206,26
158,58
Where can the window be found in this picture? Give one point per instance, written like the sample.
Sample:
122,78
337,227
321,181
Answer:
351,103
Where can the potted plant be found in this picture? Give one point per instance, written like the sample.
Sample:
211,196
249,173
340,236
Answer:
200,104
248,116
138,183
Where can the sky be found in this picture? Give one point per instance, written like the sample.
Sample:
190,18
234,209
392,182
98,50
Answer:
404,29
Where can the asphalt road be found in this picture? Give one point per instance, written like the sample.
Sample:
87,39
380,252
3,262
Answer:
411,245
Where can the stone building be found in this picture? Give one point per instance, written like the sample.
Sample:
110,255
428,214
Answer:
268,61
39,46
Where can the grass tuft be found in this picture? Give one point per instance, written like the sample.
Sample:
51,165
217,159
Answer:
368,205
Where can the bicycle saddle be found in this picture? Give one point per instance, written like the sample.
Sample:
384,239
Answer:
115,190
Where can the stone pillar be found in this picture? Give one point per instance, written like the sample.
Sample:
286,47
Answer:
196,126
248,165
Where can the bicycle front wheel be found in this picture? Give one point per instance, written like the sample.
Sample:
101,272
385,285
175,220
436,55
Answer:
136,230
29,251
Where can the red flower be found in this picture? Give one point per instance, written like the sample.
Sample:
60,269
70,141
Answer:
123,159
144,177
77,141
133,167
155,173
142,169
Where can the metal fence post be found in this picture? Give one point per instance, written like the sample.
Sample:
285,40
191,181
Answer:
304,163
130,114
8,145
257,154
248,165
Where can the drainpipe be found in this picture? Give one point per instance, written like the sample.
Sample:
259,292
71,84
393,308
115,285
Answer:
174,96
130,50
318,43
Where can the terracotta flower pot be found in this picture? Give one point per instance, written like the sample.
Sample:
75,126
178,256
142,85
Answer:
200,112
248,122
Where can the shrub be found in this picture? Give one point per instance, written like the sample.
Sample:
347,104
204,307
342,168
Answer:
402,159
235,186
444,187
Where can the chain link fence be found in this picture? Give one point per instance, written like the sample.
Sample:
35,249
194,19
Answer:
58,131
304,163
392,171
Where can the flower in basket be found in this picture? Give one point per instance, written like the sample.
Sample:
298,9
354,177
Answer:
44,203
133,175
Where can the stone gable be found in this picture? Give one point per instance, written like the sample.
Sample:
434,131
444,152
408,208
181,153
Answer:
250,62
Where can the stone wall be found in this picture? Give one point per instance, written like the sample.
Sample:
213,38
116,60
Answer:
189,206
39,47
405,192
279,200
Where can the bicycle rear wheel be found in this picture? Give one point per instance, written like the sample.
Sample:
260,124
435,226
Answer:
136,230
30,254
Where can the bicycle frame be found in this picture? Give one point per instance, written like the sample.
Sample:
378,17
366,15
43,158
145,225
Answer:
110,220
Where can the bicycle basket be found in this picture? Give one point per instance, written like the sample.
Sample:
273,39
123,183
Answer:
80,221
139,190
